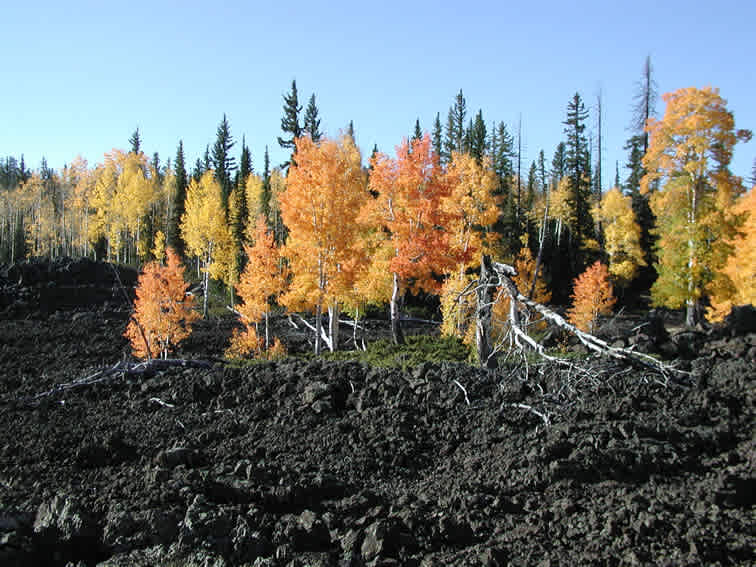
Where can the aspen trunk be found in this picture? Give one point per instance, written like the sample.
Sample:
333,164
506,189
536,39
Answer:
485,294
318,326
396,328
333,326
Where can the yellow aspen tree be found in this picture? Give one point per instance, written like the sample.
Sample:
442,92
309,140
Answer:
735,283
621,235
689,155
471,208
163,312
592,295
324,193
206,232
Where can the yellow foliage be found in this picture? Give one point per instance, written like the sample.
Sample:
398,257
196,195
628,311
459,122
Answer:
735,284
159,250
457,310
621,235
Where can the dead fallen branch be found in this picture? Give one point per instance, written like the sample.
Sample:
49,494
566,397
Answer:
122,369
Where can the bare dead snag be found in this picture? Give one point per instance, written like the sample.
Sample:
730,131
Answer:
593,343
485,293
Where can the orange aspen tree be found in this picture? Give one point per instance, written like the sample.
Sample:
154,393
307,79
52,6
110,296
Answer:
689,155
735,284
163,313
263,280
410,189
324,193
592,295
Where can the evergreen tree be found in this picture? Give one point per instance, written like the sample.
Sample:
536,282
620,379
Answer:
578,171
23,173
173,236
478,138
222,160
157,167
136,142
437,137
559,164
266,191
455,125
640,204
311,121
290,121
350,131
198,170
418,133
245,165
207,163
542,173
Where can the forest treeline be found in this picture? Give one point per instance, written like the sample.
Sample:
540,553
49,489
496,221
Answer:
349,232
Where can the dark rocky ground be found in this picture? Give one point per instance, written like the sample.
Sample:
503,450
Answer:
334,463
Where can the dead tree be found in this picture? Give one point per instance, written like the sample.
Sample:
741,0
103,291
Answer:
497,275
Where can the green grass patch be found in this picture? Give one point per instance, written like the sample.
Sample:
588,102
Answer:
418,349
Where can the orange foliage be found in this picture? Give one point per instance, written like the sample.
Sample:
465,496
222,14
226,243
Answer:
410,190
592,296
162,309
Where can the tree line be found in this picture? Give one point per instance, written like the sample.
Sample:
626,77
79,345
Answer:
416,222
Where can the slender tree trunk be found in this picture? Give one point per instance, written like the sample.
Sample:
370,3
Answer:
206,290
318,326
396,328
484,314
267,333
333,326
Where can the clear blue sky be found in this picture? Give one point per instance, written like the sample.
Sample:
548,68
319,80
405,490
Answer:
79,77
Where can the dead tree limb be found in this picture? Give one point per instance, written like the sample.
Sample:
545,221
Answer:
593,343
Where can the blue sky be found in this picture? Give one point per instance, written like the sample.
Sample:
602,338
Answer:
79,77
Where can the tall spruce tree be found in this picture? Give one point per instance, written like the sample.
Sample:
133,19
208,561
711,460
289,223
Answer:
136,142
222,160
437,137
266,191
311,120
417,133
455,126
478,138
173,236
290,121
559,164
578,171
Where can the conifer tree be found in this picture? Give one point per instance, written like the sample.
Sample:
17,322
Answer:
290,121
578,171
455,125
311,120
136,142
266,191
222,160
478,138
437,137
173,236
645,99
417,133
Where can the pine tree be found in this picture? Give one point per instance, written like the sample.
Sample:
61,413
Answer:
438,138
641,207
266,191
311,120
478,138
559,164
136,142
173,236
417,133
222,160
455,126
578,171
290,121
